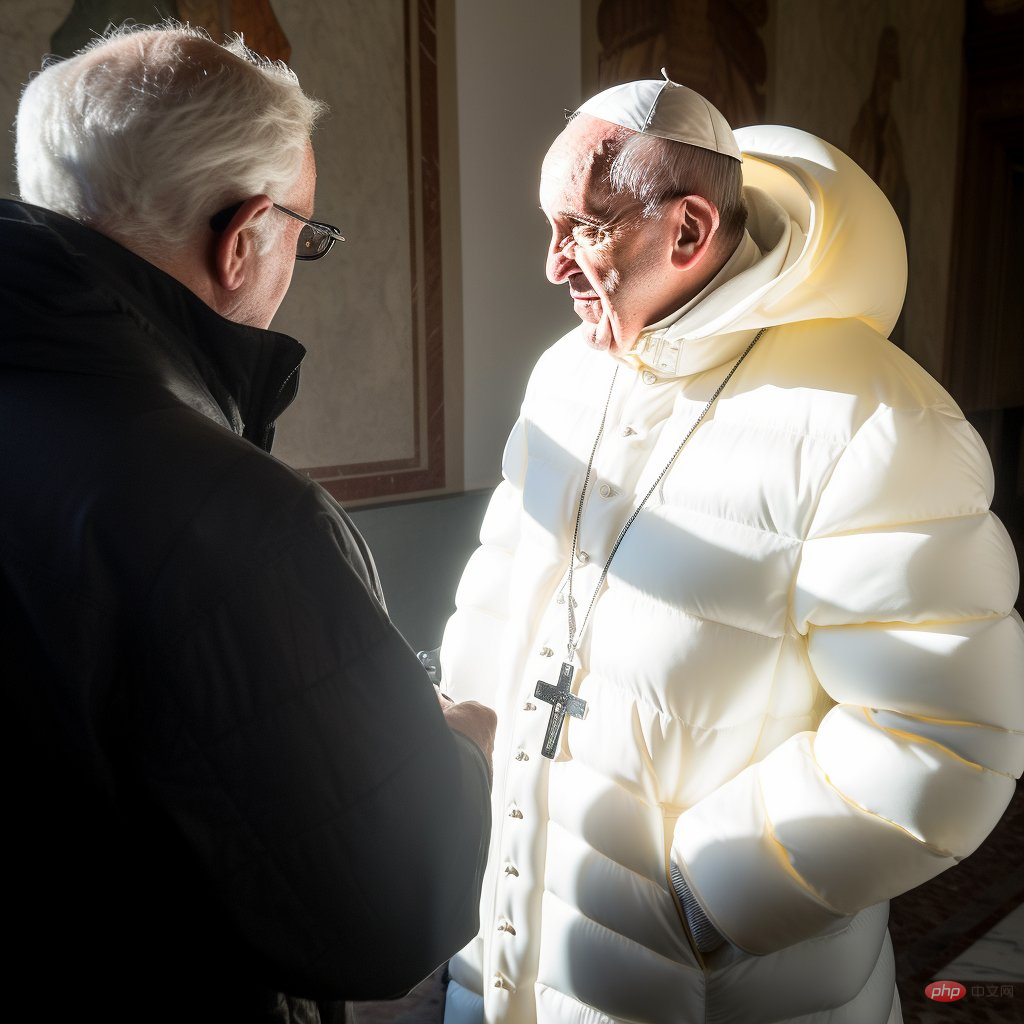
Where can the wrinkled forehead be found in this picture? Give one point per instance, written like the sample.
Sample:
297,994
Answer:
576,166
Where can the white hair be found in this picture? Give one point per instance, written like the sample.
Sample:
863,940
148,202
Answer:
651,169
149,131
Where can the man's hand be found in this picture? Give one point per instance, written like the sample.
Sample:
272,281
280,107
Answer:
474,721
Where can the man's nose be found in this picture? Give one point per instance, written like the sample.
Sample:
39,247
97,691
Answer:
561,263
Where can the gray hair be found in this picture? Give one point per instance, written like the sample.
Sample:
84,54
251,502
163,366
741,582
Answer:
651,169
147,132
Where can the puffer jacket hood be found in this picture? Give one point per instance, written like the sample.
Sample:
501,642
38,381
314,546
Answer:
831,248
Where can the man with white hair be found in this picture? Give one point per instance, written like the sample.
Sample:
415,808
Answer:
231,793
740,602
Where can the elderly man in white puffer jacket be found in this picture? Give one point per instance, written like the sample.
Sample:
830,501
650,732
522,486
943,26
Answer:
739,600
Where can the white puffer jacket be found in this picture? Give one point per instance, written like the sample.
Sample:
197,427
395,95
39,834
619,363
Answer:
804,677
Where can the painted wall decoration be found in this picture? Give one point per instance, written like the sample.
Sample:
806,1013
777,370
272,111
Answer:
713,46
255,19
883,78
88,17
876,142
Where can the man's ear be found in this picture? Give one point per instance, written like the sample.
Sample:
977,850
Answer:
696,221
235,246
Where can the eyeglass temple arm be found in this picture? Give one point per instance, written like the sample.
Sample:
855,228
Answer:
319,225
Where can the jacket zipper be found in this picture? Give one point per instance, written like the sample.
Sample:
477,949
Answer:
270,426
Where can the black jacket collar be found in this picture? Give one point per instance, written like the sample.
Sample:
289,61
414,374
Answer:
75,301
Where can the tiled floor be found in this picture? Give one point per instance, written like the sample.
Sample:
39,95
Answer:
992,971
997,956
966,920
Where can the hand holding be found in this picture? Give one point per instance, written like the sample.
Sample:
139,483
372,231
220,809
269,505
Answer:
474,721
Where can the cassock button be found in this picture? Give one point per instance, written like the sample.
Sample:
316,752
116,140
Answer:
583,557
500,981
528,706
512,870
522,755
514,812
629,432
546,652
605,491
649,377
506,927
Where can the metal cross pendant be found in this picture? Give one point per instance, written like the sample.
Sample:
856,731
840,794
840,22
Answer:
562,703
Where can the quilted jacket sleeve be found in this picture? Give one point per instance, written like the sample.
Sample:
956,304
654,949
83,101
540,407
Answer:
298,749
904,597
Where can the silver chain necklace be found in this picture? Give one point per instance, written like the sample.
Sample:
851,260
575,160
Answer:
562,701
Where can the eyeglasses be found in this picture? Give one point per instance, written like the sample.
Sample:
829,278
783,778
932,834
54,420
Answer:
314,241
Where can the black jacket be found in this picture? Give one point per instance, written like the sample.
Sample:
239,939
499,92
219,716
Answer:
227,774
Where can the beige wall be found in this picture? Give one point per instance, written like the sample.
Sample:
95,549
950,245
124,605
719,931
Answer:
352,310
518,71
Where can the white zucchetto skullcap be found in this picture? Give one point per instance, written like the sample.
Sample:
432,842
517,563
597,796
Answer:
665,109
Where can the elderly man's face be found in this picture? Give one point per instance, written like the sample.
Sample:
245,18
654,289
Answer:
615,261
